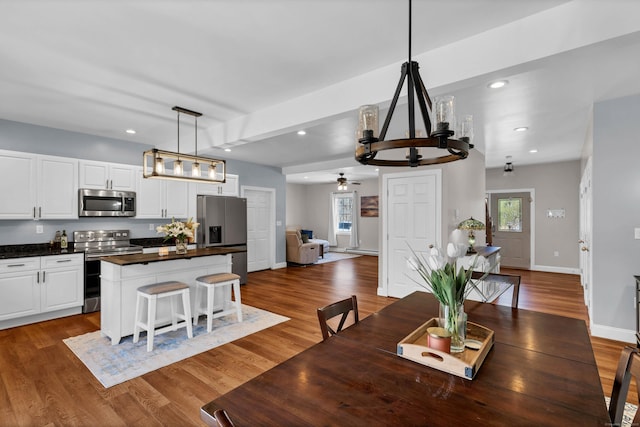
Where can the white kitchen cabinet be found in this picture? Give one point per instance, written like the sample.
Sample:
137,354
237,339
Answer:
229,188
107,176
57,188
19,287
160,198
62,282
38,187
33,289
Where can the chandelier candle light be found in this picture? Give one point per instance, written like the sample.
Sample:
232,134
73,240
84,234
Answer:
369,142
471,225
155,161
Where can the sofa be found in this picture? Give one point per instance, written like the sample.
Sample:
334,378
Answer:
298,251
324,244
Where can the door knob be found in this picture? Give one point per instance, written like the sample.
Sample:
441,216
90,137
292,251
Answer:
584,249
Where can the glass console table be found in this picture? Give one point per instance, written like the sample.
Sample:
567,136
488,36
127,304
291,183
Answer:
488,287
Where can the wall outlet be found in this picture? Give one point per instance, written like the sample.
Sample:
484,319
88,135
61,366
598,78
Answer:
556,253
152,227
39,229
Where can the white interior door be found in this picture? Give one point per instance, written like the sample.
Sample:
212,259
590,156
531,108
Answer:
585,234
412,209
260,227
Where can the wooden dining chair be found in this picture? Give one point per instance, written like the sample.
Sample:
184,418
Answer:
628,366
330,311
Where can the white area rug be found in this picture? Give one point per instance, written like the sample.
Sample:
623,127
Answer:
629,412
113,365
335,256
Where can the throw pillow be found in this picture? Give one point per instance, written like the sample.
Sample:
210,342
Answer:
305,238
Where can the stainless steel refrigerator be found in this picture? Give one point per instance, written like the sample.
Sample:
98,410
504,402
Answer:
223,222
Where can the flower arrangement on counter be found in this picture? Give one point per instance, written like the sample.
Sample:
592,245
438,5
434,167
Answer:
448,285
178,230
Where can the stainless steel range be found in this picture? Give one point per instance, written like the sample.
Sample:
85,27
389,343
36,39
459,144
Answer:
96,244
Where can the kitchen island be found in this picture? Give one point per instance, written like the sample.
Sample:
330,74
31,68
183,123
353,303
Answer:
122,275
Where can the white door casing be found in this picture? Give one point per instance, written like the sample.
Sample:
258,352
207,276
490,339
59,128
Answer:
412,209
515,244
260,227
586,228
531,222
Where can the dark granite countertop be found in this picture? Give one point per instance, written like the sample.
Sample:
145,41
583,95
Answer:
123,260
30,250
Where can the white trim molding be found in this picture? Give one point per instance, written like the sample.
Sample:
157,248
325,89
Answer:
554,269
617,334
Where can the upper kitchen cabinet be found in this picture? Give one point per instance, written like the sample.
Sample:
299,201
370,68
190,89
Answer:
228,188
107,176
160,198
38,187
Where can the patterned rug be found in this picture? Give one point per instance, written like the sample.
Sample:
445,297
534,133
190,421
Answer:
115,364
629,412
335,256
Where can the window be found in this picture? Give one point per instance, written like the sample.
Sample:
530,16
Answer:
510,215
344,209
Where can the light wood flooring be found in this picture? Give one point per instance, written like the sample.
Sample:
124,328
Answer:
43,384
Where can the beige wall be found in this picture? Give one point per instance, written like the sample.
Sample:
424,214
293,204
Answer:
308,207
556,186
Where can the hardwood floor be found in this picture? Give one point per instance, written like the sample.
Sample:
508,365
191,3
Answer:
43,383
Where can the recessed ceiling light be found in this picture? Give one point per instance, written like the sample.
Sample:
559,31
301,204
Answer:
533,151
306,177
131,131
227,149
498,84
302,132
521,129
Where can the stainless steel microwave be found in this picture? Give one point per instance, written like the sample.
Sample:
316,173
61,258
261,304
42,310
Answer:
106,202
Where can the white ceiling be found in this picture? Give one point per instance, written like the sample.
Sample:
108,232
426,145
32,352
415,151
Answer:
261,70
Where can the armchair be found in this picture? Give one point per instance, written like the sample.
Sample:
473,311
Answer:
298,251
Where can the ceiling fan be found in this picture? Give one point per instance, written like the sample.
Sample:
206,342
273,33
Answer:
342,182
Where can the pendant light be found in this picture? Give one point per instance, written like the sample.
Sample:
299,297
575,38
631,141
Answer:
184,167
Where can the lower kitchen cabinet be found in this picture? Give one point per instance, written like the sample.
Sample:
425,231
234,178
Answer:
33,289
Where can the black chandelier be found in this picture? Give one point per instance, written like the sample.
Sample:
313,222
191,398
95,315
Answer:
369,142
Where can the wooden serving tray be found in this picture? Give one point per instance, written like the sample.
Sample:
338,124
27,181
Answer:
464,364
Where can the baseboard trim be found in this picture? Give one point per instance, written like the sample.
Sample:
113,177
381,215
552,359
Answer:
40,317
552,269
354,251
617,334
279,265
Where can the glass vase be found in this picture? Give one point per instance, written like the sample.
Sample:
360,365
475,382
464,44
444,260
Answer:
181,247
454,319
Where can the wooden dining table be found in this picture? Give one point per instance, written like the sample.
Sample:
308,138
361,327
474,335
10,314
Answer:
541,371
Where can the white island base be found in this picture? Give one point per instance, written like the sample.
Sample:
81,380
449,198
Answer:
119,283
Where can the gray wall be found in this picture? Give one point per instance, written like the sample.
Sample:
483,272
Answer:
616,212
308,206
42,140
556,187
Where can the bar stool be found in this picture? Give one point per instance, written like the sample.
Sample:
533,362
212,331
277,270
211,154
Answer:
212,282
152,293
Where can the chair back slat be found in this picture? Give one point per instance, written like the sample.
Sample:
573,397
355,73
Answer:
343,307
628,367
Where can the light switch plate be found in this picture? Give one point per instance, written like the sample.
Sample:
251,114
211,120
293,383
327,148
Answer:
636,233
